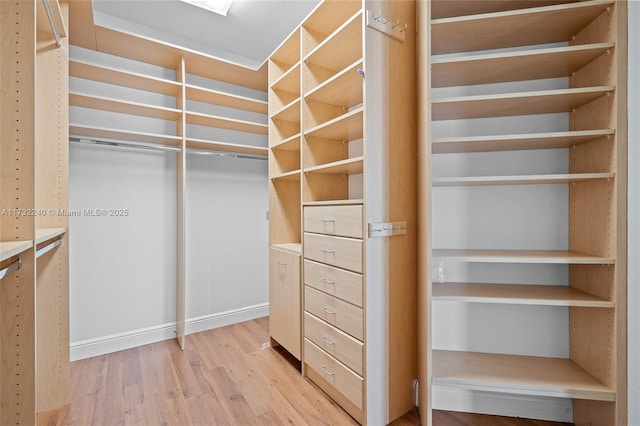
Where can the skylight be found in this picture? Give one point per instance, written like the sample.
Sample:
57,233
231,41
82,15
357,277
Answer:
221,7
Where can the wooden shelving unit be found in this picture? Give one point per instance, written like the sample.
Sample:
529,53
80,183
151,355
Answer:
34,376
320,163
84,100
105,133
457,47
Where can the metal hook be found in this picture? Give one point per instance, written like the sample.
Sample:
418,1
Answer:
406,26
397,23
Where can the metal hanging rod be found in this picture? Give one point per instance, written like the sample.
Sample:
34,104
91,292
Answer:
11,268
48,247
113,142
159,147
226,154
52,22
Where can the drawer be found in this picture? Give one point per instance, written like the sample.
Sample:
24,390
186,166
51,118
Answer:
334,373
284,300
336,251
337,282
345,221
343,315
340,345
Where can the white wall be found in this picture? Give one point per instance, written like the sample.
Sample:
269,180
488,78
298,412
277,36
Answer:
123,269
633,331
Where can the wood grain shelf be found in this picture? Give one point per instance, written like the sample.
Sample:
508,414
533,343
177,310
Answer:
292,175
8,249
123,107
228,100
81,130
447,9
511,104
519,180
514,66
46,234
291,143
289,81
551,140
226,123
226,147
330,15
334,202
110,75
347,127
520,375
341,48
295,248
289,50
343,89
521,256
514,27
351,166
517,294
290,112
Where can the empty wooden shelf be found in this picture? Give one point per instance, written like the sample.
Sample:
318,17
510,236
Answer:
225,123
46,234
351,166
292,175
289,81
346,127
9,249
519,180
341,48
104,133
520,256
521,375
289,144
229,100
123,107
343,89
226,147
517,294
290,112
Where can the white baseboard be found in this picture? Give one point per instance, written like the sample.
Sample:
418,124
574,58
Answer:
541,408
131,339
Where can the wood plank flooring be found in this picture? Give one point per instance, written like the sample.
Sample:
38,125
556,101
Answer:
225,377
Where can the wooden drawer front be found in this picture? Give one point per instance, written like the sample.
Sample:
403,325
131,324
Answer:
345,221
337,282
340,345
337,375
343,315
284,300
337,251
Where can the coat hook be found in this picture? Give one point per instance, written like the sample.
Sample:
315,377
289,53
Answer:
377,18
384,21
397,23
405,28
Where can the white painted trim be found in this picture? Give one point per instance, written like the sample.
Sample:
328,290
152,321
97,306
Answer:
542,408
131,339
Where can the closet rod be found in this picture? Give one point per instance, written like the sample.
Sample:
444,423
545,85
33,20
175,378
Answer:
11,268
52,22
112,142
226,154
48,248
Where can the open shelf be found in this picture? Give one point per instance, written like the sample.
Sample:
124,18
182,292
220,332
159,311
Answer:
514,27
519,180
288,53
226,123
550,140
46,234
520,256
334,202
520,375
295,248
514,66
447,8
88,71
289,81
347,127
81,130
351,166
226,147
123,107
8,249
510,104
341,48
517,294
228,100
292,175
289,144
343,89
290,112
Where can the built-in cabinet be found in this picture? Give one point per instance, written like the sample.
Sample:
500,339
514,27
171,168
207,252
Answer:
472,58
342,171
34,262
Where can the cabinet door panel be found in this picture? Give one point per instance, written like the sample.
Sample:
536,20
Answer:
284,300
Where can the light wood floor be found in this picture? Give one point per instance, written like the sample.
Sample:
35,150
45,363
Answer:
225,377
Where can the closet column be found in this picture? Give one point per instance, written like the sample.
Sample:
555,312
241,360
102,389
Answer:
181,167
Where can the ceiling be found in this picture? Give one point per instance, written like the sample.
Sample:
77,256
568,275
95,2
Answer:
247,35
